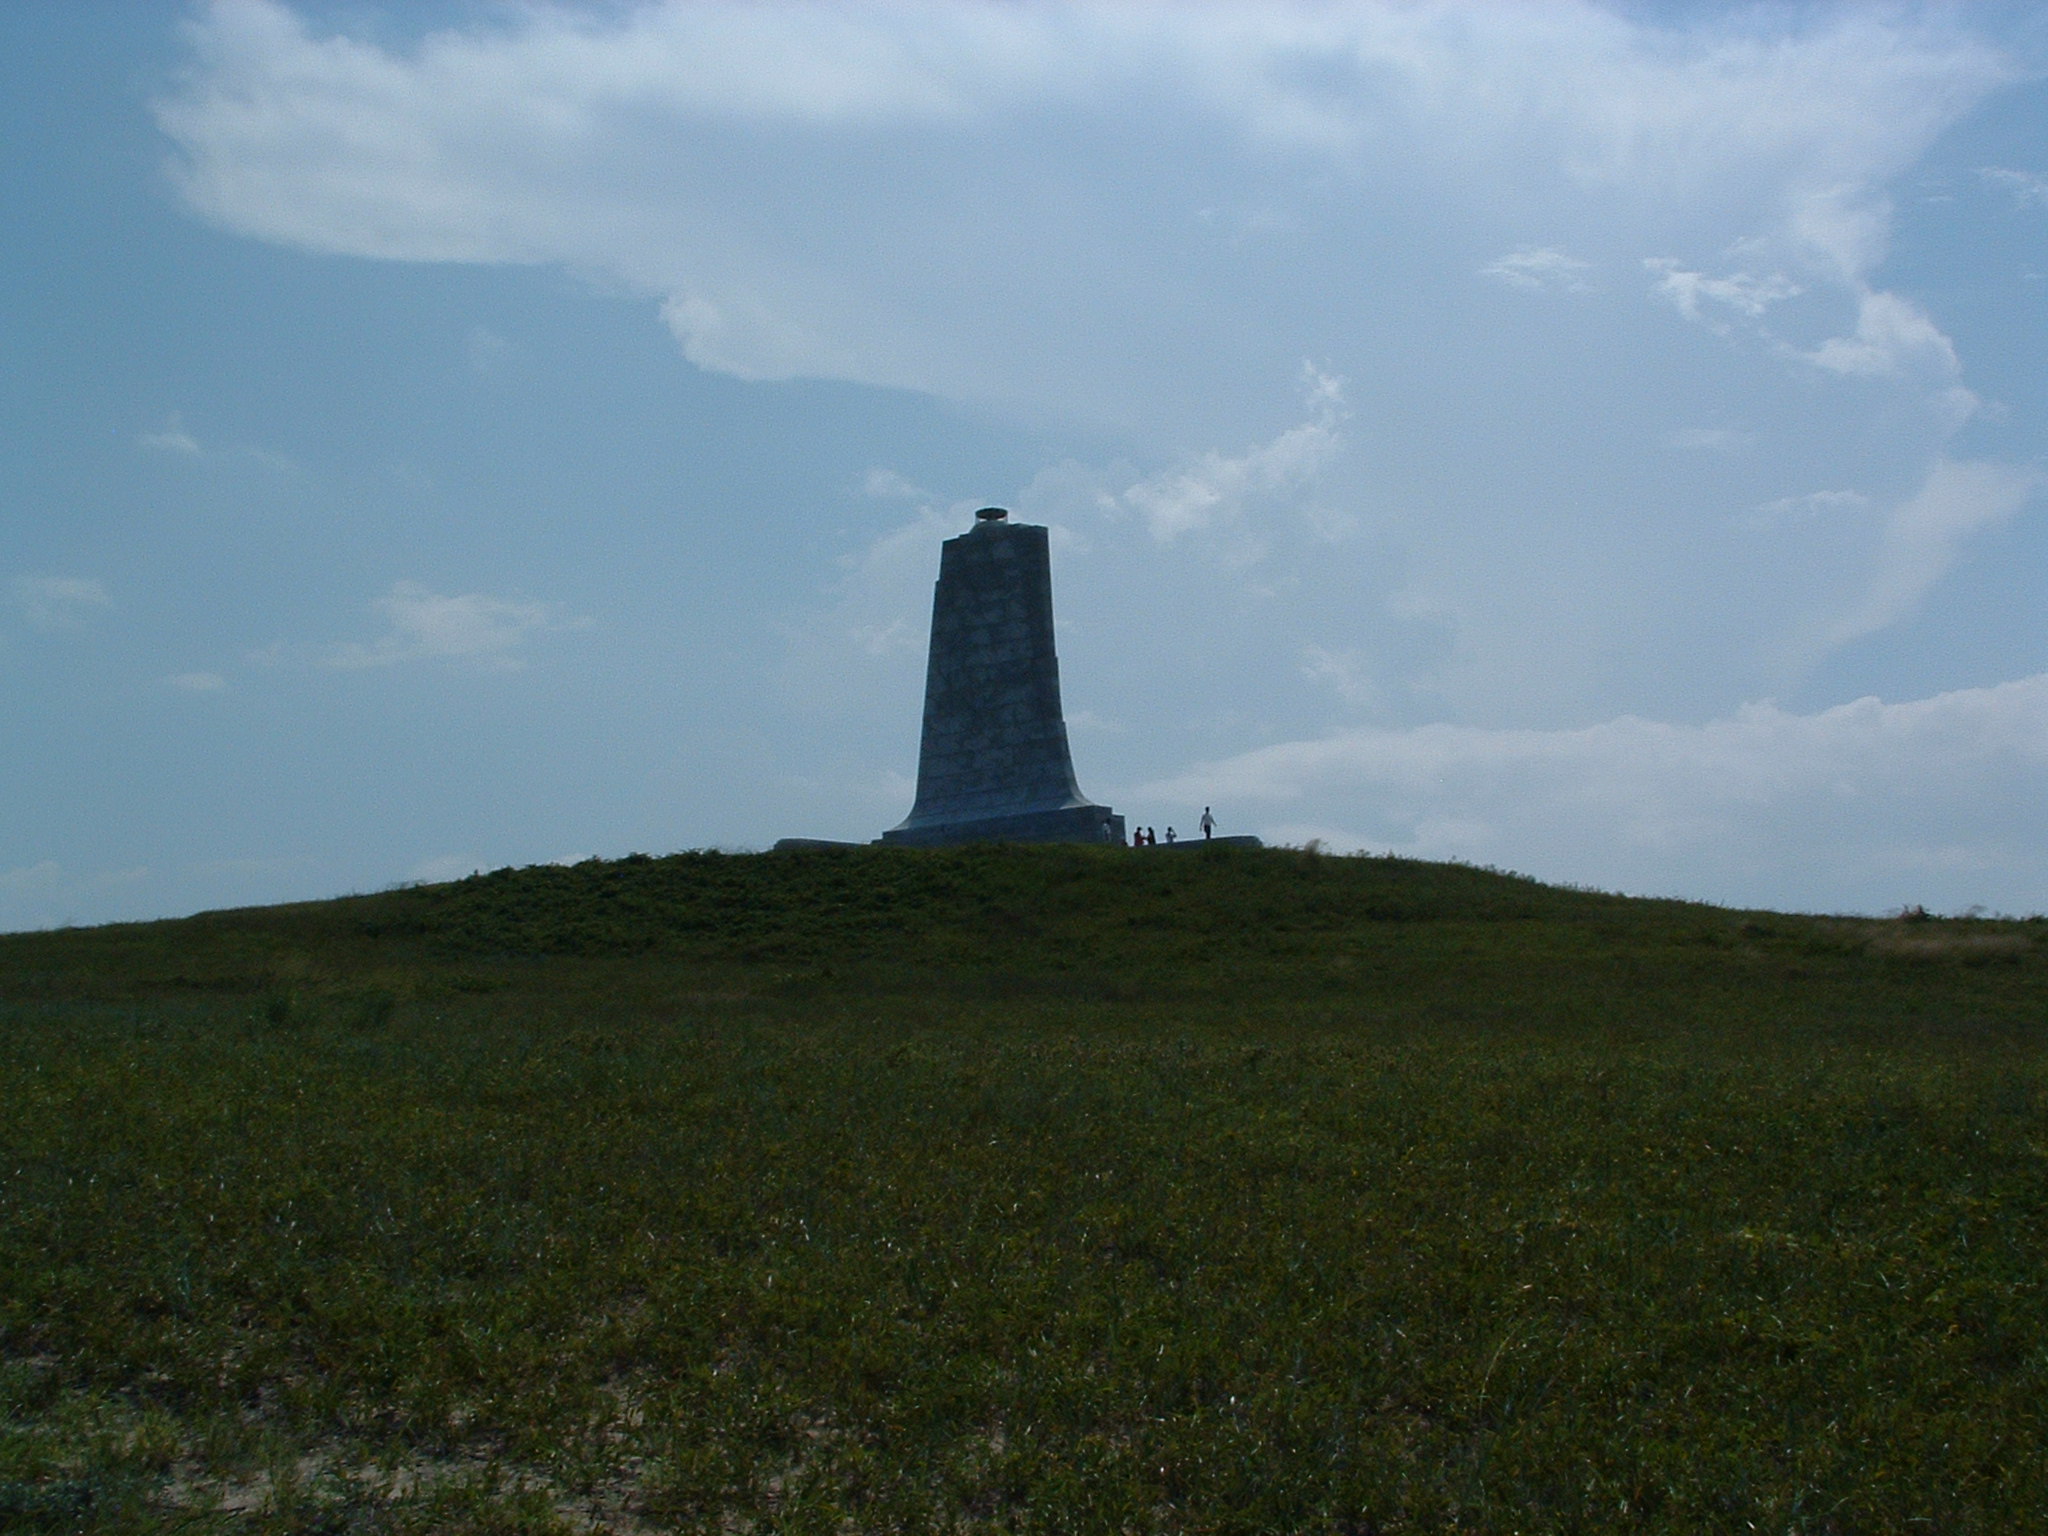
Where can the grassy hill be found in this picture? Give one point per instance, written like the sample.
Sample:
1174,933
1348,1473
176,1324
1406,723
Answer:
1023,1189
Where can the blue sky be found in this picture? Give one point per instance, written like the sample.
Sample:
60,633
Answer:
1601,441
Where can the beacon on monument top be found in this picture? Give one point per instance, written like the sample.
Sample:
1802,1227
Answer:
992,515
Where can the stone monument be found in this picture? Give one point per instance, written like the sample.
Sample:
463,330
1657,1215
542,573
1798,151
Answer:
993,764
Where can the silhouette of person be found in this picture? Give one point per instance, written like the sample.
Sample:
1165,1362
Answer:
1151,837
1208,824
1169,834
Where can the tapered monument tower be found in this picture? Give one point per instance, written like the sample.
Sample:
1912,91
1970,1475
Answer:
994,765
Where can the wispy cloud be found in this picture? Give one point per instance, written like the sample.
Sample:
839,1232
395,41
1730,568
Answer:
43,875
447,866
1893,337
1812,504
197,682
1866,793
46,894
427,626
1924,533
1533,268
1710,300
173,438
2027,189
753,337
888,485
549,137
898,635
58,602
1060,258
1217,488
1347,672
1709,439
875,626
489,354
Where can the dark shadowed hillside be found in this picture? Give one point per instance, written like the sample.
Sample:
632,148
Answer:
1022,1189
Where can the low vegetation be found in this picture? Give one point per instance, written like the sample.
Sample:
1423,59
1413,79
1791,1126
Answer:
1001,1189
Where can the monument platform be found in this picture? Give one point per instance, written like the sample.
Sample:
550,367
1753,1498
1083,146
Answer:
1082,823
998,832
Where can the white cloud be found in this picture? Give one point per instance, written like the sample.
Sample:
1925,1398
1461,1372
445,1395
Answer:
747,165
1813,504
1839,236
426,626
1347,672
197,682
447,866
1705,299
1332,525
58,602
43,876
897,635
208,869
1924,533
1217,488
1140,219
865,644
1710,439
887,485
1937,795
1538,267
1841,231
1893,337
271,459
46,895
1088,722
2027,189
489,355
172,439
751,337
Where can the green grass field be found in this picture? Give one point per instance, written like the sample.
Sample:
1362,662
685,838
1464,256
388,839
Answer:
1051,1189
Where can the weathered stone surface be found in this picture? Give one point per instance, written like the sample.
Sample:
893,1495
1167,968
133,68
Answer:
994,765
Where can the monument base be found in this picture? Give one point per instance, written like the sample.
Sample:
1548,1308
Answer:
1074,824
